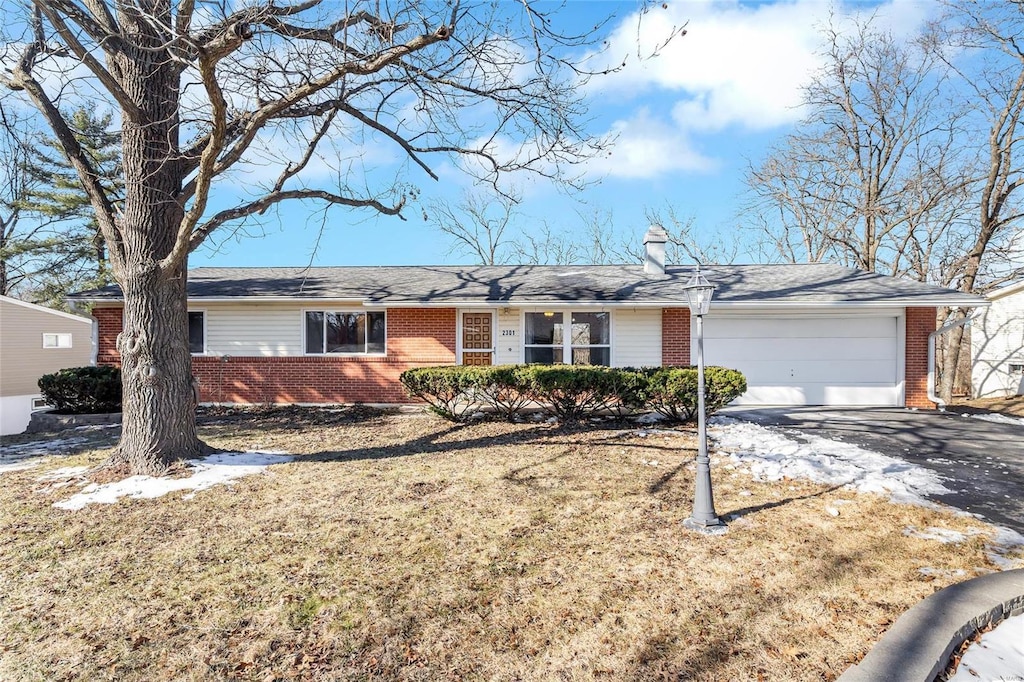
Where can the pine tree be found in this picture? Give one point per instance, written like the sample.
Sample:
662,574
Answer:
70,244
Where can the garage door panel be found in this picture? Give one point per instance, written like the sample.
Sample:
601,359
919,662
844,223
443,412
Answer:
737,350
783,372
799,327
809,360
819,394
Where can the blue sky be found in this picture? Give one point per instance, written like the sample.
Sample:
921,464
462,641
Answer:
687,122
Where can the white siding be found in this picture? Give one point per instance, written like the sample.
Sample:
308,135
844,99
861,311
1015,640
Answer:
247,330
636,338
997,341
15,413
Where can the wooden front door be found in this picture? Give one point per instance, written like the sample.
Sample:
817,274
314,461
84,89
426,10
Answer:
477,344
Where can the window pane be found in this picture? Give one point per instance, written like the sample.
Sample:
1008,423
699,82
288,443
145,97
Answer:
375,340
543,329
591,356
56,340
589,329
544,356
346,333
315,332
196,333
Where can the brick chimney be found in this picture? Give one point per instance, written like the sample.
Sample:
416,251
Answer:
654,250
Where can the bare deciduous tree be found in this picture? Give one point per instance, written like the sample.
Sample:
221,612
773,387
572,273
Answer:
205,91
992,36
868,178
478,225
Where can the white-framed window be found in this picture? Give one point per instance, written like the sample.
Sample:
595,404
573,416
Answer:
56,340
1016,368
345,332
587,343
197,332
39,404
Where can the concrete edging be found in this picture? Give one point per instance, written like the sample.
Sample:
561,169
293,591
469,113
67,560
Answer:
45,421
918,645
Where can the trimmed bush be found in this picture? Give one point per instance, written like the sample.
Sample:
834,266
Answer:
577,391
83,390
570,392
502,389
449,390
672,391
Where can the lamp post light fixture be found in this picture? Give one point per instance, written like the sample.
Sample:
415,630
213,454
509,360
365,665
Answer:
703,518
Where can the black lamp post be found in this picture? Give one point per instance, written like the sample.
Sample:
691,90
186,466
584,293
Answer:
703,518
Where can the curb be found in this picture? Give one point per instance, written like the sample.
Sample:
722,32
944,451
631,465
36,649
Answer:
918,645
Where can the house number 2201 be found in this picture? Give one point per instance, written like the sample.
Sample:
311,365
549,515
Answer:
508,332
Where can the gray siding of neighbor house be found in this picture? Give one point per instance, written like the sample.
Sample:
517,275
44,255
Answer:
22,356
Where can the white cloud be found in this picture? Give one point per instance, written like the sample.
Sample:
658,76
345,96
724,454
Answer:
739,65
646,147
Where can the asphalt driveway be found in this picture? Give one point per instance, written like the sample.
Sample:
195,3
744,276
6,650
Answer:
982,462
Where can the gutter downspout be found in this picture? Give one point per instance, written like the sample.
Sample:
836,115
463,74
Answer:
932,396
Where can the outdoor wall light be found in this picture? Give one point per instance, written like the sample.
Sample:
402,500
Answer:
703,518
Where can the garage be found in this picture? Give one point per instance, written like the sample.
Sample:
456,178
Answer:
811,359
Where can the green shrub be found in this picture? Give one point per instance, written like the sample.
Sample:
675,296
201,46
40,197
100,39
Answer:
576,391
502,389
672,391
570,391
449,390
83,390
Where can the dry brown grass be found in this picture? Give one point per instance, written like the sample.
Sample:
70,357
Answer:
403,547
1013,406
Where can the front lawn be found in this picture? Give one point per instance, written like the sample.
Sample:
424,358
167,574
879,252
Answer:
405,547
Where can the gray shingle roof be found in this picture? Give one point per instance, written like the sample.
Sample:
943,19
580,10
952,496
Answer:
619,284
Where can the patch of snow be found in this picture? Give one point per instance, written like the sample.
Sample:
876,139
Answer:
943,535
19,466
649,418
997,418
28,455
1005,542
772,456
223,468
945,572
39,447
996,656
63,473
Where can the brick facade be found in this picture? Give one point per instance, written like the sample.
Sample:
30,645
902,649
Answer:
418,337
920,323
415,337
108,325
675,336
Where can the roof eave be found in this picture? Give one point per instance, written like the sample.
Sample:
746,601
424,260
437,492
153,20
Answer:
942,301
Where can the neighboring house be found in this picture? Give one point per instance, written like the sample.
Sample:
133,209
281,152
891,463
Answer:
802,334
997,345
35,341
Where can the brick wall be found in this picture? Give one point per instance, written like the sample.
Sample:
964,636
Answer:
920,323
675,336
108,326
415,337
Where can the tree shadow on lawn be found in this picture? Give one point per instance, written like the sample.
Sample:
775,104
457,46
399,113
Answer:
438,441
746,511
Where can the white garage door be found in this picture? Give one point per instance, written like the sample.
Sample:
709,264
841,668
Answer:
812,360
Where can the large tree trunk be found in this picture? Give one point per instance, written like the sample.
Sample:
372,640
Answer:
159,401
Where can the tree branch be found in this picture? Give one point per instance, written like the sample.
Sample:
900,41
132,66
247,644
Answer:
265,202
